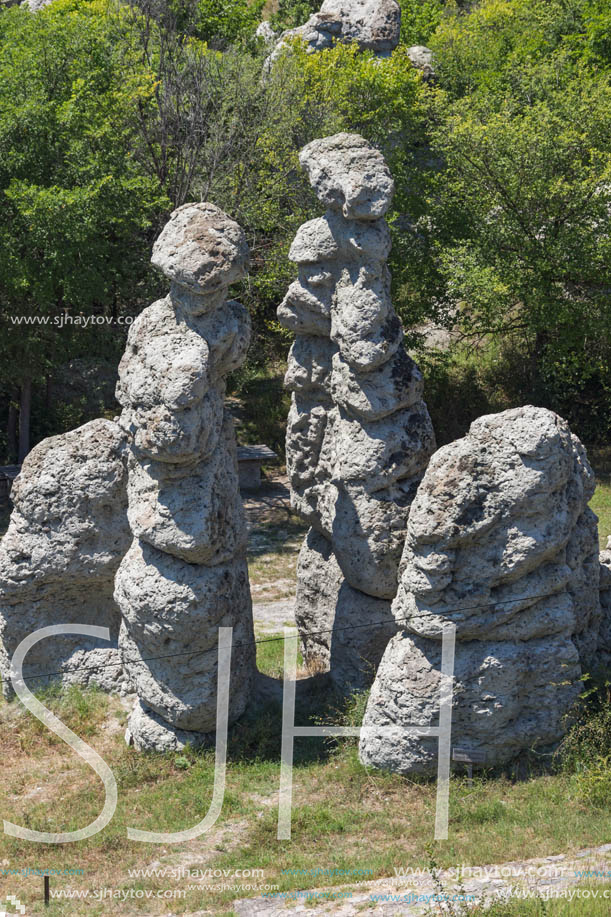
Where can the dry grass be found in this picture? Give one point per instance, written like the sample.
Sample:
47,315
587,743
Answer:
343,815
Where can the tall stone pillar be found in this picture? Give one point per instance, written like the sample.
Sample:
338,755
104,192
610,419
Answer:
359,435
185,574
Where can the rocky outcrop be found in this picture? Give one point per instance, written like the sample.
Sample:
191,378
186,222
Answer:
265,32
501,543
36,5
67,534
423,59
359,435
185,574
374,25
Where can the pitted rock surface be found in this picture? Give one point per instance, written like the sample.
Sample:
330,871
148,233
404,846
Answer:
501,544
359,435
349,175
67,534
342,630
202,249
185,574
374,25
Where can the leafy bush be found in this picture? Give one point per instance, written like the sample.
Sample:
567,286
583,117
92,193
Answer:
593,782
588,740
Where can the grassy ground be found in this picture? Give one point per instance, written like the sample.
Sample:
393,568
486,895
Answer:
601,504
344,816
272,559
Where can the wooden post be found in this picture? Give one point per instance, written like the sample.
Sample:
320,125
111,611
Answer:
47,895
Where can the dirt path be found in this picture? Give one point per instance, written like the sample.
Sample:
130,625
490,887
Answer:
545,877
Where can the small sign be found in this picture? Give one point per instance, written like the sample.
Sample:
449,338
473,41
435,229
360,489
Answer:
468,755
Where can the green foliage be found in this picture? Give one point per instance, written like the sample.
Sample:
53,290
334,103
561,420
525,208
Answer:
419,19
292,13
461,384
589,737
493,46
593,782
112,115
598,32
77,209
518,246
218,23
261,390
223,22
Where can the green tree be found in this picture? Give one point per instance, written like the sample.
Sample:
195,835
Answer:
519,207
76,209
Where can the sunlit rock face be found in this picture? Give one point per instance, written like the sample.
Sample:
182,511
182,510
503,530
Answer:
67,534
501,544
185,574
374,25
359,435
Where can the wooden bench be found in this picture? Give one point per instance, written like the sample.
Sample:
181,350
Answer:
8,473
250,459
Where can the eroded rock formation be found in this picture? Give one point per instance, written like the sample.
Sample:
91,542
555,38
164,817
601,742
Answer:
185,574
67,534
374,25
501,543
359,435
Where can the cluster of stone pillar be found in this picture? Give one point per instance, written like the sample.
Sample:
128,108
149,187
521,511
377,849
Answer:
491,534
359,435
185,574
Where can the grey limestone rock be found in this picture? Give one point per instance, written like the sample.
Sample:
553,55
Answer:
173,609
185,574
319,580
35,5
349,175
342,630
202,249
266,33
358,435
373,24
501,543
423,59
67,534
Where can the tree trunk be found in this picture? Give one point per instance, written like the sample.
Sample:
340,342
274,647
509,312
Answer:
11,430
25,403
536,358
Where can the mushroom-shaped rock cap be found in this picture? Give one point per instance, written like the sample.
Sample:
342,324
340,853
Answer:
348,174
201,248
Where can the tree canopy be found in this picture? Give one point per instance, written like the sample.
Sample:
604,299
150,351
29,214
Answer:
112,113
